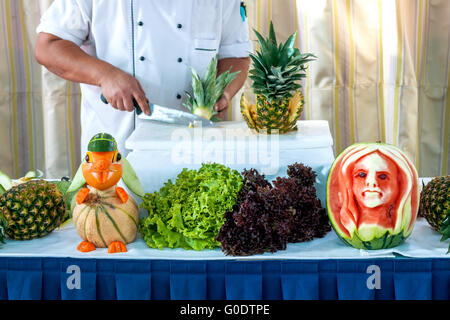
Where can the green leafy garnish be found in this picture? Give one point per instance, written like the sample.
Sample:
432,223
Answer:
190,212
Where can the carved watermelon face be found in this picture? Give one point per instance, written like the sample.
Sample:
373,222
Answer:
372,196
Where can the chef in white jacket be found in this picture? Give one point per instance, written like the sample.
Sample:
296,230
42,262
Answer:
140,49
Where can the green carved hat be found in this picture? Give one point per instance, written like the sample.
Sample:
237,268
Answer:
102,142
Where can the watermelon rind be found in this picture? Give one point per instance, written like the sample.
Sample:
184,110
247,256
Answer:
385,242
131,179
102,142
374,237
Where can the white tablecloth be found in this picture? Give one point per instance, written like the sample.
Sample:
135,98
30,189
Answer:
424,242
62,243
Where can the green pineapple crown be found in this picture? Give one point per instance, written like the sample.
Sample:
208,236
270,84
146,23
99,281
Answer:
277,68
208,90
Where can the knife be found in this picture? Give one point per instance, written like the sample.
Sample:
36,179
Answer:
168,115
173,116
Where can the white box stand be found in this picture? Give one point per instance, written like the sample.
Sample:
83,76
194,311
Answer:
159,152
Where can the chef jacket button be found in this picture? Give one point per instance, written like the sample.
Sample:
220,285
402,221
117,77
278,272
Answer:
140,23
179,96
179,26
180,60
142,58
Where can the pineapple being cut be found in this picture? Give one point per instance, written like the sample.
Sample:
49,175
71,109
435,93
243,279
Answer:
277,70
207,91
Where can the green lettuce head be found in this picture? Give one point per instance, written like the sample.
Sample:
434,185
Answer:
190,212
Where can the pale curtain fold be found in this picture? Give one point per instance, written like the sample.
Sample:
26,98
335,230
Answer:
39,112
382,74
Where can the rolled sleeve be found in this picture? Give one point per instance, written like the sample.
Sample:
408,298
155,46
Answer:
235,41
68,20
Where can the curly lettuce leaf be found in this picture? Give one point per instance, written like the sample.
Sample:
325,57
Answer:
268,216
190,212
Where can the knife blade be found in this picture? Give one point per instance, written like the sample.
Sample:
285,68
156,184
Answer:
173,116
168,115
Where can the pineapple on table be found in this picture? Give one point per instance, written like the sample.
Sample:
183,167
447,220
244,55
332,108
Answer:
277,70
435,205
31,210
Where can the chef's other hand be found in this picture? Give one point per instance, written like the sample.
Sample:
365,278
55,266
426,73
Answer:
120,88
222,106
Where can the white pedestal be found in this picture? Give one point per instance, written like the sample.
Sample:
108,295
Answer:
160,151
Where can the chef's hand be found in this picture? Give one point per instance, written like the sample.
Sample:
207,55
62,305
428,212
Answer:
222,106
120,88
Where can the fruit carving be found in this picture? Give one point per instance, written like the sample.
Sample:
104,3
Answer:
104,214
372,196
277,70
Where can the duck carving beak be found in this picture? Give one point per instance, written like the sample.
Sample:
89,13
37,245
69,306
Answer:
103,176
102,168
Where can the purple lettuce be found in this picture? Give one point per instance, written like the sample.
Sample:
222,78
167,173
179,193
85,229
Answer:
266,217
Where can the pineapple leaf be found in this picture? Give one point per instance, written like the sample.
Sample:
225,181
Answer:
262,42
209,81
258,73
267,46
272,35
257,61
223,81
210,86
271,77
445,236
189,101
288,50
302,59
197,87
211,71
276,71
257,79
264,60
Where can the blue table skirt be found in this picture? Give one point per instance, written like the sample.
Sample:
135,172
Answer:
48,278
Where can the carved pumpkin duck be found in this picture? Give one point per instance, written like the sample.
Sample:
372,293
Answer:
104,214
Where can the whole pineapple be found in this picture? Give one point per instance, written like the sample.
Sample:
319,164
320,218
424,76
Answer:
435,205
277,70
32,210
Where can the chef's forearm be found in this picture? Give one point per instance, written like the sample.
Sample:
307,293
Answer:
236,64
67,60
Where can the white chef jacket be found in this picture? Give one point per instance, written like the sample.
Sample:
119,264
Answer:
154,40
